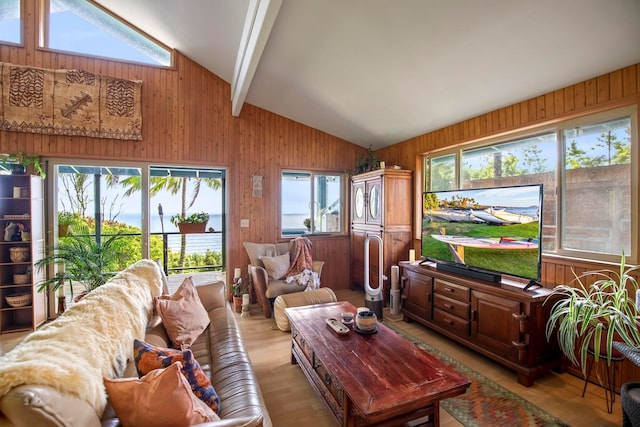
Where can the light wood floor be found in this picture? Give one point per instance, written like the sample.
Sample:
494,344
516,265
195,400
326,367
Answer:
292,402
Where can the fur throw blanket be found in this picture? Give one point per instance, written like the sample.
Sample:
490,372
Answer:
301,268
91,340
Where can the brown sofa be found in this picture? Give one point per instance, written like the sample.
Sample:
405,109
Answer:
219,350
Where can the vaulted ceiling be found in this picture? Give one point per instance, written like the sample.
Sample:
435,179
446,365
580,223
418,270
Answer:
377,72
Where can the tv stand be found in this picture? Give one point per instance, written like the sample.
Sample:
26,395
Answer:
498,320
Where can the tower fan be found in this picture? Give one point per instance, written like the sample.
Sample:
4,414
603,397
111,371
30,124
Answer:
373,298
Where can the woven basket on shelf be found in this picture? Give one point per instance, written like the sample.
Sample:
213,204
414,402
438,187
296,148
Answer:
18,300
19,254
21,279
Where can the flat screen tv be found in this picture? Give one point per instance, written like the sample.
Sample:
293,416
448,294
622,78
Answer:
484,232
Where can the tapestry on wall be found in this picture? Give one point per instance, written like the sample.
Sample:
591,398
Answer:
69,102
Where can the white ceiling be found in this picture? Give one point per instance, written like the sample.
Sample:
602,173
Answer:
377,72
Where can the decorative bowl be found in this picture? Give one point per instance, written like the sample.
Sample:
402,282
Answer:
19,254
20,300
366,320
347,317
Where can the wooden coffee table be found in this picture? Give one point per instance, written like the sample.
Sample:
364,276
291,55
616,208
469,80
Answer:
379,379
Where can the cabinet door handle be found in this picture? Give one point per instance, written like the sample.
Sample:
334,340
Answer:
523,322
449,306
449,289
448,321
522,350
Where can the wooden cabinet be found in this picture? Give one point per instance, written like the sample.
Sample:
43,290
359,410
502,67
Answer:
500,321
417,293
21,207
381,204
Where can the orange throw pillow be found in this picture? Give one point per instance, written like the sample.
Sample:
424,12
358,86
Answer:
162,398
148,357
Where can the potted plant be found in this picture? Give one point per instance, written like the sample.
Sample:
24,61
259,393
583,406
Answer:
194,223
19,162
237,290
65,221
307,223
588,317
367,163
86,261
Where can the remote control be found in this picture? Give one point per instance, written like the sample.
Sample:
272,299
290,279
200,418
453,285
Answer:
337,326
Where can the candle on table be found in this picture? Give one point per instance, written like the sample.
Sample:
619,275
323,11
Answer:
237,273
412,255
395,277
245,299
382,165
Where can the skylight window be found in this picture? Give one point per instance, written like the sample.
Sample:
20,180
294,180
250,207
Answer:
82,27
10,22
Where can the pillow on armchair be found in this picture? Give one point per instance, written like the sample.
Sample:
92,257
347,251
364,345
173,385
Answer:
258,250
276,266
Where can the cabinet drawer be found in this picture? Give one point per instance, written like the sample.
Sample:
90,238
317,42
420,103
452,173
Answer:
451,306
452,290
451,322
302,343
331,388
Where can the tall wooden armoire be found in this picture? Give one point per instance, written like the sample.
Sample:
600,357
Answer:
381,204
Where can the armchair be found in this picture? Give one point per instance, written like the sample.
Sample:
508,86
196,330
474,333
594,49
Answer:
268,287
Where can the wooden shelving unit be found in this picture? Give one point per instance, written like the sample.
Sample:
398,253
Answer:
21,202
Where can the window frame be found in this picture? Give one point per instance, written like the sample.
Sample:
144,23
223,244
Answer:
20,43
145,202
558,127
312,175
44,35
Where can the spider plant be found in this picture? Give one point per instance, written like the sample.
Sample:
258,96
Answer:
589,317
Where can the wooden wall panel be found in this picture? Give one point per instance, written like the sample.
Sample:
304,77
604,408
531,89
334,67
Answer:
611,90
187,121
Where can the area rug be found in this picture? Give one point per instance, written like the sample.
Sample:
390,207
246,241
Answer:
486,403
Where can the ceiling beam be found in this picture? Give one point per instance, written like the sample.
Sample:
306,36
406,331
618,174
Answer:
261,15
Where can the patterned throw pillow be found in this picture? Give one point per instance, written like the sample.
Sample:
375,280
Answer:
161,398
148,357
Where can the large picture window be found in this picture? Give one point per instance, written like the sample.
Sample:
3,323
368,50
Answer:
311,203
585,166
596,202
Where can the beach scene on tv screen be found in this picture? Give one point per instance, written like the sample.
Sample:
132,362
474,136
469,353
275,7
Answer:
495,229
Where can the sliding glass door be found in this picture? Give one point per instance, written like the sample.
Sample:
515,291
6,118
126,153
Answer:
135,205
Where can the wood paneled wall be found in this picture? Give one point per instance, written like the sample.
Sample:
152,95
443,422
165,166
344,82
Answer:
187,121
611,90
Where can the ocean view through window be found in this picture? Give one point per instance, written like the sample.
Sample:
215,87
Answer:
137,202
